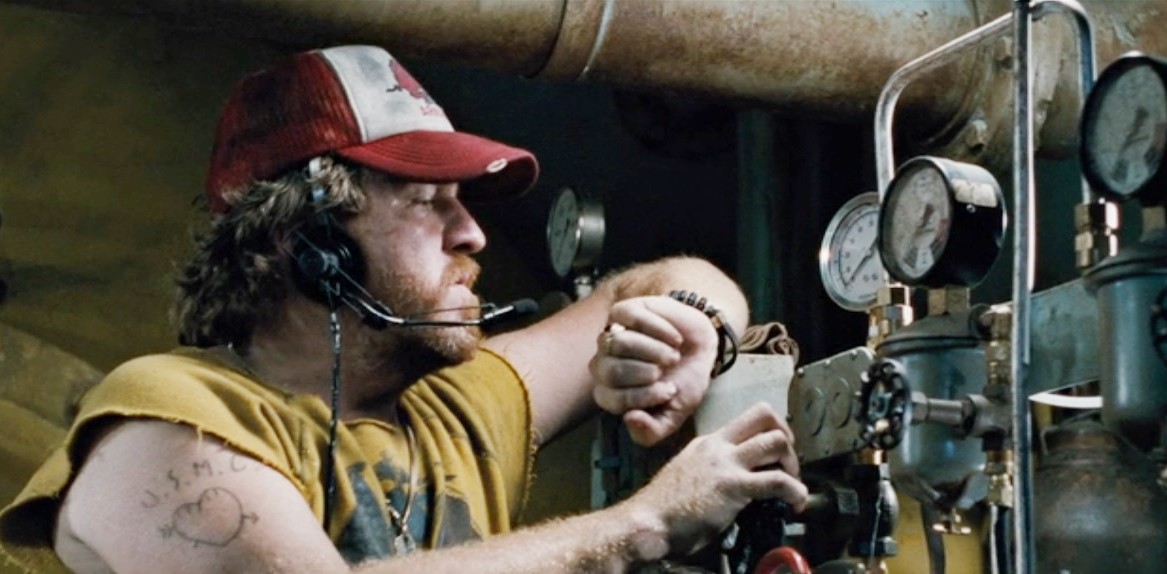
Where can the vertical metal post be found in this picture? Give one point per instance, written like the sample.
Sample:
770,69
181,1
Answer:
760,269
1023,280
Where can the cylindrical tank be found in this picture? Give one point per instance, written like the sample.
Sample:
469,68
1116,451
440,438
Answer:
935,460
1098,505
1134,379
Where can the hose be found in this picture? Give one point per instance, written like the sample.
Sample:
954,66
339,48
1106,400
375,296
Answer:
783,556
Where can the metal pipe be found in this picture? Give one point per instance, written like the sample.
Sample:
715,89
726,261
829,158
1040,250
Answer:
791,56
899,81
1087,62
1023,278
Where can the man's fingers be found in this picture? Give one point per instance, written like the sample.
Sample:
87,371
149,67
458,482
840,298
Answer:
776,484
647,429
768,448
757,419
632,344
655,317
645,397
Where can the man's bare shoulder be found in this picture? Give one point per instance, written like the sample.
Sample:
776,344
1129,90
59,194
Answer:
154,496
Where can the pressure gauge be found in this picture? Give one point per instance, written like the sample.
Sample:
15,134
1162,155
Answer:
575,232
849,262
941,223
1124,130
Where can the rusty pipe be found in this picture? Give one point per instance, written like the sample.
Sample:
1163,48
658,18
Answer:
825,59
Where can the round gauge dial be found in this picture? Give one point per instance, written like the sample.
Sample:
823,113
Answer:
941,223
923,216
849,263
575,232
1124,130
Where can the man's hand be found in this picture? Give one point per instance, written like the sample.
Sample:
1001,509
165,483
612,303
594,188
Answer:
652,365
700,491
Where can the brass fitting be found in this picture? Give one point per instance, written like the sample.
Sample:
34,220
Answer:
952,522
892,312
999,321
1096,225
952,300
999,469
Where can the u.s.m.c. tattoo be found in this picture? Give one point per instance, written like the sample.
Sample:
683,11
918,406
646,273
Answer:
205,512
180,479
214,519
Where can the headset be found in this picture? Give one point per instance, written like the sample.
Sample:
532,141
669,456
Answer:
329,268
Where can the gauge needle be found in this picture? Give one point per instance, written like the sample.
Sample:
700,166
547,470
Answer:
868,254
925,219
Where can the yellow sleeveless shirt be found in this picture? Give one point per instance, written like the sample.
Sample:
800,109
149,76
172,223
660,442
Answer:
472,425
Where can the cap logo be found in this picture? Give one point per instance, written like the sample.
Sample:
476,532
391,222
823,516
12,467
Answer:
496,165
386,100
406,83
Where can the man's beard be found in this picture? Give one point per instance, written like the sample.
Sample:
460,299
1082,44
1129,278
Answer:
424,349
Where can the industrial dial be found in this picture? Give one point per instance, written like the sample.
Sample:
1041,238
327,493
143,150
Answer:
941,223
1124,130
849,262
575,232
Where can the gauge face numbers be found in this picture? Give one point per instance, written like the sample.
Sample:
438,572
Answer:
941,223
919,216
1124,129
575,232
849,263
563,231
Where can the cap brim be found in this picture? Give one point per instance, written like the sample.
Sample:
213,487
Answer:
487,169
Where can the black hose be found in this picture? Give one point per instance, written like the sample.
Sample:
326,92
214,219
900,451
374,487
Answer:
933,539
1000,540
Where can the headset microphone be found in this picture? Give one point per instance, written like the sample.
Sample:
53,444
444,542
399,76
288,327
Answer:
378,316
327,272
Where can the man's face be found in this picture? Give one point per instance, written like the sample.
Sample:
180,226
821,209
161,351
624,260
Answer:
417,240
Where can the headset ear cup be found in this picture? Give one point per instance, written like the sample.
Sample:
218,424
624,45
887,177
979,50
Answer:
325,262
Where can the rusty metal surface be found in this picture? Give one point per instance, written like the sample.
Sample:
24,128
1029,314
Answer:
1100,508
505,35
827,59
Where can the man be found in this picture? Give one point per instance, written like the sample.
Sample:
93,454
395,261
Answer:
336,285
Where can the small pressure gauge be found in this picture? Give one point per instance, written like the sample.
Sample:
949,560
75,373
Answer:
849,262
1124,130
941,223
575,232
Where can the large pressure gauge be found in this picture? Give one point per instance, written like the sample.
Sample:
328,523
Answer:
941,223
1124,130
575,232
848,259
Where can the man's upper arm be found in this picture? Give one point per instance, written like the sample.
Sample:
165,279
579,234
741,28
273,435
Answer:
158,497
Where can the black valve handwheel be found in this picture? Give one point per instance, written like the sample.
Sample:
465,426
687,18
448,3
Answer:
885,404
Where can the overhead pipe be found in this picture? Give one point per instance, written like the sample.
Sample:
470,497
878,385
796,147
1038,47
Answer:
825,59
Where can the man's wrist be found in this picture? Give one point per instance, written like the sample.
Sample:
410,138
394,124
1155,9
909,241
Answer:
646,538
727,339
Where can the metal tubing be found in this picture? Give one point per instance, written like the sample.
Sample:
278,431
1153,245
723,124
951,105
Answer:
1023,278
1087,62
899,81
885,108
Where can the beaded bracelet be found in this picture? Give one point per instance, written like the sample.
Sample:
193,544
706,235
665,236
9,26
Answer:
727,343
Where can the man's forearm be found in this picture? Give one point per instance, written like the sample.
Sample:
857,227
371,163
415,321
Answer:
680,273
609,540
